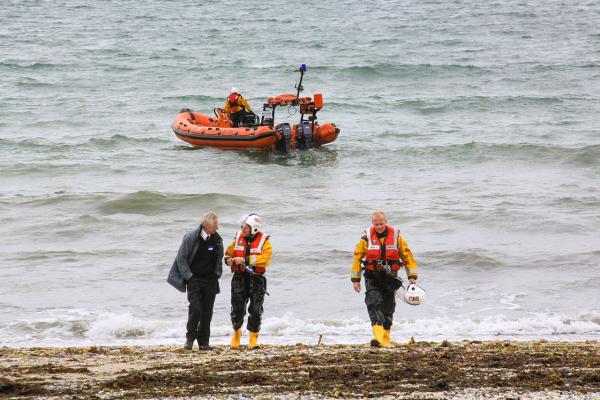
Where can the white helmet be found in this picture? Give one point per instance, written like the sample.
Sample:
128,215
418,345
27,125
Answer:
414,295
233,90
253,221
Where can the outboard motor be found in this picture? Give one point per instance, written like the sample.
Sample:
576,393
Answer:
284,131
304,136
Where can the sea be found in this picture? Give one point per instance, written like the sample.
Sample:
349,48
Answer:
473,125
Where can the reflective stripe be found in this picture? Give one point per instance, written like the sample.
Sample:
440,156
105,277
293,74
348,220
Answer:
372,245
237,241
252,260
263,239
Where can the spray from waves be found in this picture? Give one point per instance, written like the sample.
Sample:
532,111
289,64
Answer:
472,103
120,140
48,147
479,258
80,328
140,202
36,66
153,203
413,70
196,98
31,82
583,157
388,70
430,106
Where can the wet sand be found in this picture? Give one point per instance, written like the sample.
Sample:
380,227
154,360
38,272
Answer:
421,370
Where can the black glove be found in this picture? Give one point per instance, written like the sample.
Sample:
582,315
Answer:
393,282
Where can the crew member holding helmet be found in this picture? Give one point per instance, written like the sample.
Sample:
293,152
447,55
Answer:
248,256
381,252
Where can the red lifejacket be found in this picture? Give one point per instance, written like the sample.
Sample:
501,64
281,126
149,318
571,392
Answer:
376,256
254,249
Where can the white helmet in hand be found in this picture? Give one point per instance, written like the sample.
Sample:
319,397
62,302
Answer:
253,221
414,295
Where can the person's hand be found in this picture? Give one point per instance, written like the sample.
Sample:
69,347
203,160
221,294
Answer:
238,260
412,281
356,286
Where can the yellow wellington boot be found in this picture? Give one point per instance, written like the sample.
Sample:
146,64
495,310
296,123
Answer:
387,339
235,339
252,344
377,340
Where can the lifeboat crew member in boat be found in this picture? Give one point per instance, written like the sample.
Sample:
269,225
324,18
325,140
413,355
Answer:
381,252
248,256
236,107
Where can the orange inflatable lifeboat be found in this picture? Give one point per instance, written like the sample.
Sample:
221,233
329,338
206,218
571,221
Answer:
205,131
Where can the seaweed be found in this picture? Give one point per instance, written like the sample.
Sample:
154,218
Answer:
418,369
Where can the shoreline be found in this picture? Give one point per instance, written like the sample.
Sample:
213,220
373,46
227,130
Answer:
467,369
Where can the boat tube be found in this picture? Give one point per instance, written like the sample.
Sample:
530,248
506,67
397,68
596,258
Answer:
206,131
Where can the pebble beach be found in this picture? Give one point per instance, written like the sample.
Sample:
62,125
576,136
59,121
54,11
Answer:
413,370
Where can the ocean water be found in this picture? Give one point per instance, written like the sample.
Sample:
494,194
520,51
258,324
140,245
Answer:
474,126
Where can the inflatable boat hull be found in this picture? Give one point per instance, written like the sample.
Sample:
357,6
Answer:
204,131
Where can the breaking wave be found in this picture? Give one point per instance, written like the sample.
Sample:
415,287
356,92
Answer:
78,328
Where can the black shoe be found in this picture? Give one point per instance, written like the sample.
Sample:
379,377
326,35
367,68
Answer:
189,344
204,347
375,343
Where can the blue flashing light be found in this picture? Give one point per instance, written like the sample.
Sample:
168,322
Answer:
303,67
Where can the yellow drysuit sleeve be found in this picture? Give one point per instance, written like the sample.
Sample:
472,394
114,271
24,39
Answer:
359,253
264,258
407,259
229,250
244,103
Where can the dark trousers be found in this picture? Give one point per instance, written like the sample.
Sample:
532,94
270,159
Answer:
245,288
238,116
380,299
201,295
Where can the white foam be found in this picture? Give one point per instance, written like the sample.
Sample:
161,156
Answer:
80,327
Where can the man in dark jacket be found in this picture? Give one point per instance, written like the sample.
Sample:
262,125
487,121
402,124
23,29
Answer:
197,268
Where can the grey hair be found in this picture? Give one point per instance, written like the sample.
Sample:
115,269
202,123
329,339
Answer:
209,218
379,213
